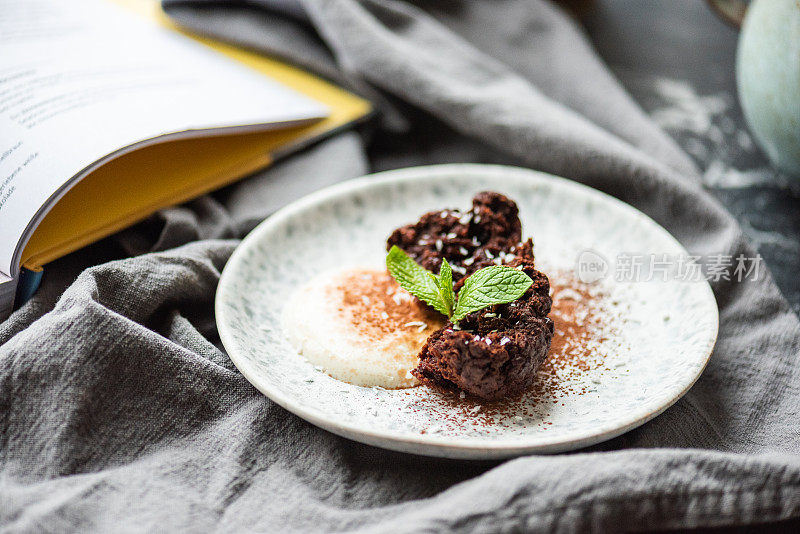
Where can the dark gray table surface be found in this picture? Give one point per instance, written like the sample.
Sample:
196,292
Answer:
678,60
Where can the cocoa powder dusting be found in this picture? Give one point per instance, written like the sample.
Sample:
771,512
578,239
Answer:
377,306
579,315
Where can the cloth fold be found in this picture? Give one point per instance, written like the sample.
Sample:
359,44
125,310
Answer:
120,411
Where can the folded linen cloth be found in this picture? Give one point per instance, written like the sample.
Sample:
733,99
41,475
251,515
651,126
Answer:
120,412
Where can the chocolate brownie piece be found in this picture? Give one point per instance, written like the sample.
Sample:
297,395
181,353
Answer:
494,352
470,240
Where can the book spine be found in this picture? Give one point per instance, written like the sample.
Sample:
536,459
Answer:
29,282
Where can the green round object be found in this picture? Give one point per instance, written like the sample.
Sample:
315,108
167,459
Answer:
768,77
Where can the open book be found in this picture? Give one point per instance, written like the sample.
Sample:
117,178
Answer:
108,114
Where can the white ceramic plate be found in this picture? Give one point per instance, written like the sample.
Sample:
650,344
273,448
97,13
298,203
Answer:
662,336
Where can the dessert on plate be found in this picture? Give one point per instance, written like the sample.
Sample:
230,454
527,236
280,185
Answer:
480,325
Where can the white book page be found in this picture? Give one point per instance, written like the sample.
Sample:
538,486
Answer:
81,79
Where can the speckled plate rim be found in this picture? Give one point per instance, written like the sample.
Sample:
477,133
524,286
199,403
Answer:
432,445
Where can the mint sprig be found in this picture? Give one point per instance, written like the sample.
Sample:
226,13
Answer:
498,284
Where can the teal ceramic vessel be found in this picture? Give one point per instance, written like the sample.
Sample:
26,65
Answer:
768,77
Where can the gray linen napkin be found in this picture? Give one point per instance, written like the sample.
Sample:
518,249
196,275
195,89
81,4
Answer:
120,412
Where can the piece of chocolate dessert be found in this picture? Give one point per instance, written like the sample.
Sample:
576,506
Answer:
496,351
483,236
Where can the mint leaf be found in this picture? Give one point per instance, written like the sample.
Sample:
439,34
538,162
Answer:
498,284
416,280
445,283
